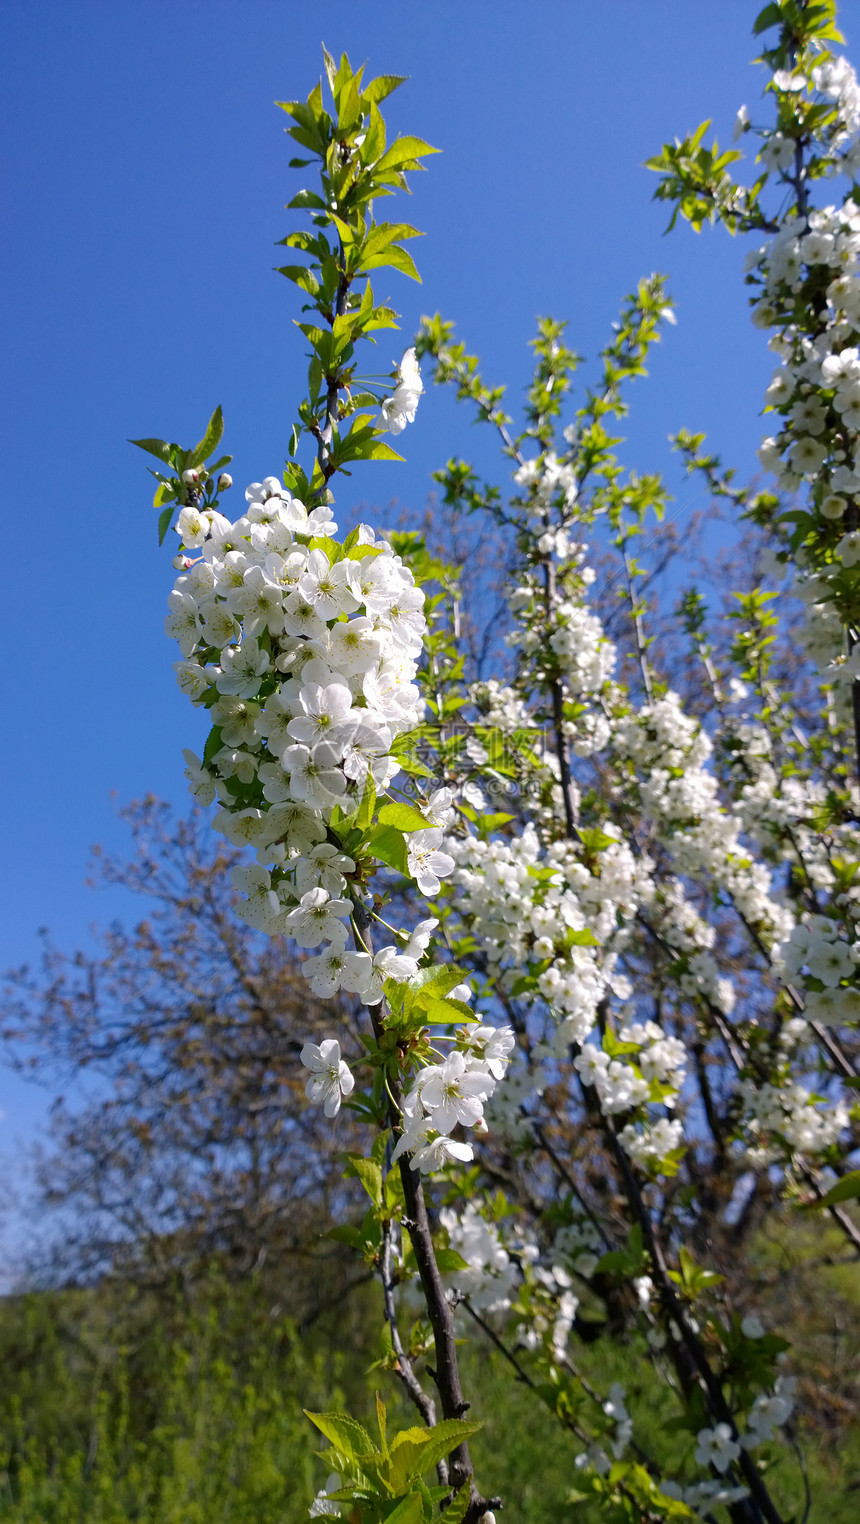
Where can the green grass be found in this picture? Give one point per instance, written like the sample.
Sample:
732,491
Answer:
119,1409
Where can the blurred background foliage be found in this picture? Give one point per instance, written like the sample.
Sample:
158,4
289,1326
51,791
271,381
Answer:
183,1405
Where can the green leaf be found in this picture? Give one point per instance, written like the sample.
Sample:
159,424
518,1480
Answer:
409,1511
419,1449
492,822
330,68
306,199
343,1233
381,1419
403,748
403,152
374,139
436,981
164,493
446,1013
384,233
770,16
846,1189
404,816
158,447
210,441
377,89
164,523
213,745
364,443
301,276
389,846
370,1175
345,1433
411,766
364,813
583,938
395,258
691,1276
379,450
456,1511
330,547
449,1260
594,840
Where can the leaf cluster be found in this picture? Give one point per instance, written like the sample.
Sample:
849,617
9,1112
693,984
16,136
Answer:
173,491
386,1478
348,143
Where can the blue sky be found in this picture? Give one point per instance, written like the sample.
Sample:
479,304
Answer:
145,175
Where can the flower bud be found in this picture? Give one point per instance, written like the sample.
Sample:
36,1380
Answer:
191,477
182,563
225,482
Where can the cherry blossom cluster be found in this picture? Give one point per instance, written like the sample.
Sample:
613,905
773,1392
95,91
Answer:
718,1447
682,929
550,1306
568,640
532,903
820,956
625,1085
613,1444
704,1497
492,1276
523,903
777,810
452,1094
304,653
305,657
510,1110
787,1116
578,1244
498,1274
680,795
829,965
549,483
808,276
769,1413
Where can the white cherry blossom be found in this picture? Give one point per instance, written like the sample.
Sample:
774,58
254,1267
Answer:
331,1080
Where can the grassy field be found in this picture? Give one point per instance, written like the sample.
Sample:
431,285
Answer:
117,1407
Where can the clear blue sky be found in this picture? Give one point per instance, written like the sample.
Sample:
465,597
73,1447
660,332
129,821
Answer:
144,180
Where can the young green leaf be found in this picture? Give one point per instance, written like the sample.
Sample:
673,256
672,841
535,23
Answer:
370,1175
345,1433
164,519
404,816
389,846
210,441
458,1507
164,493
846,1189
409,1511
158,447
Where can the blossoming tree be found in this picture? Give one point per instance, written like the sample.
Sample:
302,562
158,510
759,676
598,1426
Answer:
563,1080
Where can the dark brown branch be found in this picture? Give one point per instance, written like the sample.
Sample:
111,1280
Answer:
690,1340
440,1313
403,1368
